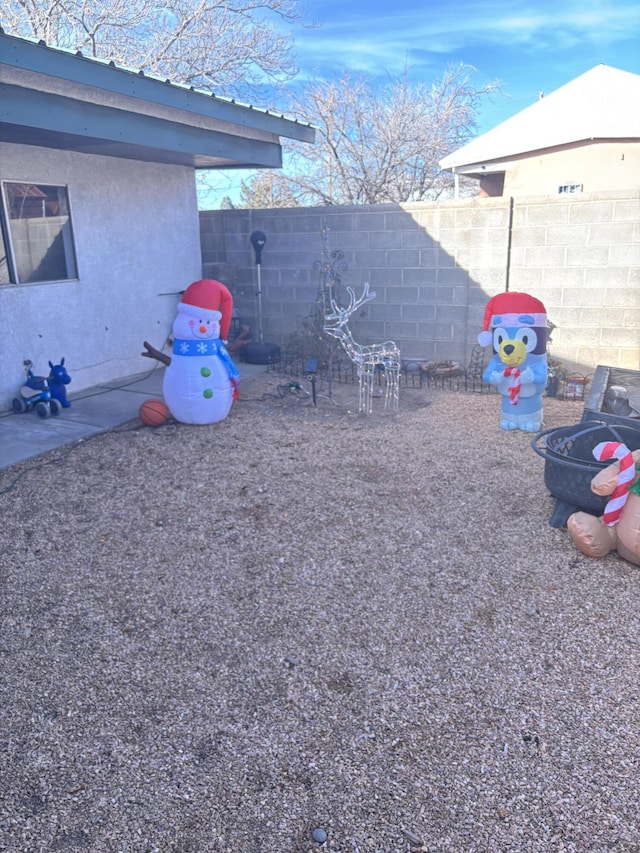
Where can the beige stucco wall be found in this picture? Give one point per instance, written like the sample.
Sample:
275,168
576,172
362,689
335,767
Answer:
602,167
136,236
434,267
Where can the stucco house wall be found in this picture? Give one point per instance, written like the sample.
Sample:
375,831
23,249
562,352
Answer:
120,150
586,133
596,167
135,227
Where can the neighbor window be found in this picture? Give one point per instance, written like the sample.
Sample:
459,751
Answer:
38,234
570,188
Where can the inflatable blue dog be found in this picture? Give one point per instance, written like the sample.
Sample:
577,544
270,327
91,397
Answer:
516,325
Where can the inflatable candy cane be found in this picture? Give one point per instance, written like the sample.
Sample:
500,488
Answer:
513,390
616,450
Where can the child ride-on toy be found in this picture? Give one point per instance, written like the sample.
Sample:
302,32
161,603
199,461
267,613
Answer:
36,394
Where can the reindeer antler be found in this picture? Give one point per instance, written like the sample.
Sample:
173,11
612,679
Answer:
343,314
356,303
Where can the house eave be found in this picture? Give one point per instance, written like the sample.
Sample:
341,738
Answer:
480,170
35,118
499,164
53,98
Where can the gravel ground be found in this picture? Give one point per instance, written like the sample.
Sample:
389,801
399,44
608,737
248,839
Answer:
225,638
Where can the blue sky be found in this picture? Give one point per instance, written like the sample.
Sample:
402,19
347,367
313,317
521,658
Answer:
530,47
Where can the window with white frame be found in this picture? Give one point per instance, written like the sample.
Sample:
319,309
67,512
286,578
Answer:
37,234
570,188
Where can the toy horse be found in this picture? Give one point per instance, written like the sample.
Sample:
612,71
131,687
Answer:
58,379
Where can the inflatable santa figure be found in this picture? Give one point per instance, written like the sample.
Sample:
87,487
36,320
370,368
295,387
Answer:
516,325
201,381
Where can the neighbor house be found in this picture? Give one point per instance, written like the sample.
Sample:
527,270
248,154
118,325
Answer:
99,216
584,137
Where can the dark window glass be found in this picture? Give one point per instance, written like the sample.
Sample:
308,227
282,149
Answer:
40,233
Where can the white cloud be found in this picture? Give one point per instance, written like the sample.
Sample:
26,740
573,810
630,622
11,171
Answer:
369,38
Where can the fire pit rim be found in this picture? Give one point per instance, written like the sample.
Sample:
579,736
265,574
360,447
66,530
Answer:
550,454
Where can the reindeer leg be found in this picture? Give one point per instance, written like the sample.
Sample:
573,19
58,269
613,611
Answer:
361,390
396,387
370,390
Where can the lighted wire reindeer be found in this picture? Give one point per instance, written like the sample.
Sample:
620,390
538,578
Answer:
367,359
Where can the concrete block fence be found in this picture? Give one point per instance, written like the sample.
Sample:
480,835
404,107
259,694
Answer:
434,266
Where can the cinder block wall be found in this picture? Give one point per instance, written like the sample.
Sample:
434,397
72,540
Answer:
433,267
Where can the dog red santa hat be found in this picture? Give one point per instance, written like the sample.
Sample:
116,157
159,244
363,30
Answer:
208,298
511,310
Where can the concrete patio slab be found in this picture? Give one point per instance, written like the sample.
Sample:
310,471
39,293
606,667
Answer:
94,410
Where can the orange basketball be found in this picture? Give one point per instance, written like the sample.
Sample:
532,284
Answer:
154,413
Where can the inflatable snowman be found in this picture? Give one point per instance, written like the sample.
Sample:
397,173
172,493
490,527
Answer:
201,381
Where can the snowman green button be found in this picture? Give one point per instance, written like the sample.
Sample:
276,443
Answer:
205,371
207,393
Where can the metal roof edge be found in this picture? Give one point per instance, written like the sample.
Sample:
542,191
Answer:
496,164
39,57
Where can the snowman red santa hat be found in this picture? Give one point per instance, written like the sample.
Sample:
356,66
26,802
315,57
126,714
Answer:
512,310
209,299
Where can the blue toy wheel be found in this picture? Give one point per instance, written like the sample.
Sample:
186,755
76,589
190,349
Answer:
19,405
55,406
43,410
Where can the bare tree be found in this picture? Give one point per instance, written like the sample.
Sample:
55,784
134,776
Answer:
380,143
266,189
231,48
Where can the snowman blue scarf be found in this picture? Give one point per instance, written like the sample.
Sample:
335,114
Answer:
204,349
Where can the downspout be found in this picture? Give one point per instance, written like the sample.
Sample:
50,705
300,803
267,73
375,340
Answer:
509,237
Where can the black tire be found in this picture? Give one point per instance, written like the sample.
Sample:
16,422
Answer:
260,353
55,406
19,405
43,410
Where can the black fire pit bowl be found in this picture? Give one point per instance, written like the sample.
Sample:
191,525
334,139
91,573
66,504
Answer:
569,464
